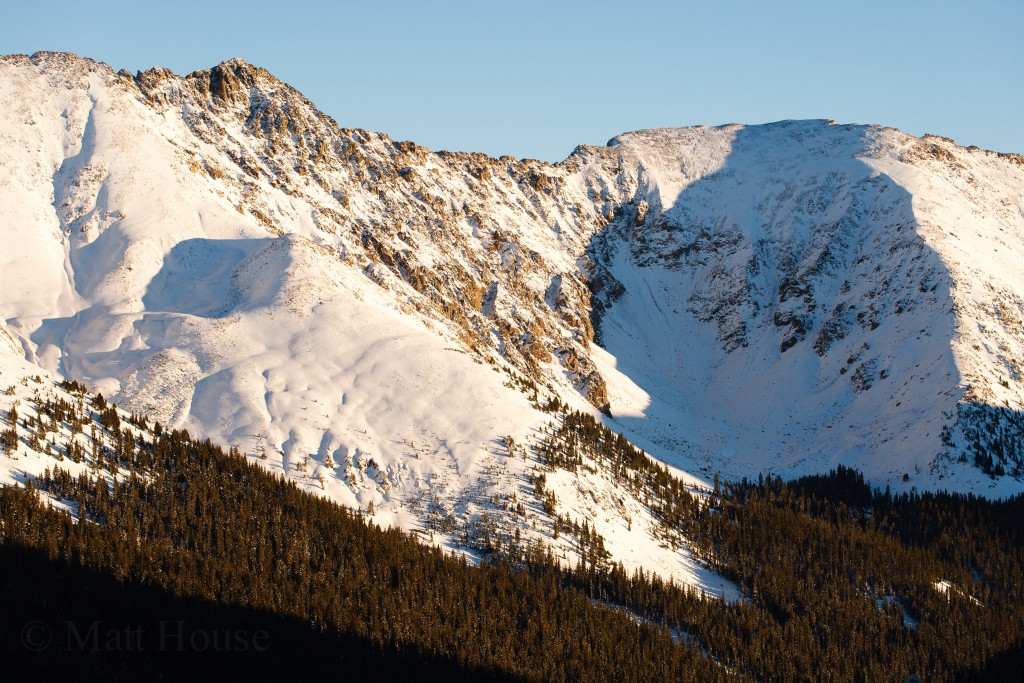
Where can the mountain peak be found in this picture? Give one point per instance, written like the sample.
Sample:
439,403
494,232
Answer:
237,63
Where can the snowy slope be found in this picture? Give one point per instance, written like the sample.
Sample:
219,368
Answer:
801,294
374,319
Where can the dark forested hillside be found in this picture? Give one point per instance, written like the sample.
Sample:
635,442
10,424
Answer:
842,582
199,535
199,564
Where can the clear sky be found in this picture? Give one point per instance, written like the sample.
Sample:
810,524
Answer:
535,79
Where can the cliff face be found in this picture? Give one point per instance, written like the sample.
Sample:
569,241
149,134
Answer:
216,250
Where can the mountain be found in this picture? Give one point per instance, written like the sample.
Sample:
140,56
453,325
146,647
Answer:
398,328
805,294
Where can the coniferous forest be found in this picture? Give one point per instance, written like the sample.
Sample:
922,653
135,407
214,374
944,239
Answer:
200,564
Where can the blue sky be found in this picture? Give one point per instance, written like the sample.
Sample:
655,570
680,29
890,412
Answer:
535,79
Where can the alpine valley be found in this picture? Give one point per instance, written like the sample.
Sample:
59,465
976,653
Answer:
407,333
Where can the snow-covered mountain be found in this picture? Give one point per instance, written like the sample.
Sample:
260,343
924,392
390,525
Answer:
381,322
804,294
